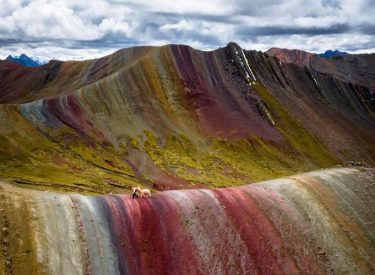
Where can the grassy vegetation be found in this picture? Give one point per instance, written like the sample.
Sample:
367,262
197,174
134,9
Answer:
224,162
62,159
49,161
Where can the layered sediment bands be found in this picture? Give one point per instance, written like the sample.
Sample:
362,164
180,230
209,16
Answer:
354,68
315,223
173,117
330,108
21,84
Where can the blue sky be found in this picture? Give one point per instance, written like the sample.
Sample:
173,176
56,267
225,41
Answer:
70,29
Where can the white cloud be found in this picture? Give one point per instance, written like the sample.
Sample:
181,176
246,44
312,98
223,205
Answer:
216,7
67,29
182,25
316,44
46,52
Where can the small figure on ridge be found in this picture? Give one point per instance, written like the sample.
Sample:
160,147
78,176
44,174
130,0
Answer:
143,193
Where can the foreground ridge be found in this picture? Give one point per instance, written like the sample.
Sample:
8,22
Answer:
314,223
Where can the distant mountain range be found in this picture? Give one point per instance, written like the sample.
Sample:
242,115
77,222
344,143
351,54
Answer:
331,53
26,61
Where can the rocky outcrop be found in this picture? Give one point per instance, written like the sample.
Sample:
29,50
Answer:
237,57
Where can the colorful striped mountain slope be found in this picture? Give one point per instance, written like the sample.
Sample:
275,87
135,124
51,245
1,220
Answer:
174,117
314,223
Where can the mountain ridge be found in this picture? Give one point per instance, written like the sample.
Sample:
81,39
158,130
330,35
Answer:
141,115
301,224
357,68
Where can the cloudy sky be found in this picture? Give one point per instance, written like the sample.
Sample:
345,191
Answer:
71,29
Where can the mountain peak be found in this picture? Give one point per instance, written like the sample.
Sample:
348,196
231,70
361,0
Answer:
26,61
330,53
298,57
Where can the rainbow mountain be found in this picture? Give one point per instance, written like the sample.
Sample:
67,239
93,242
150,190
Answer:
173,118
313,223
